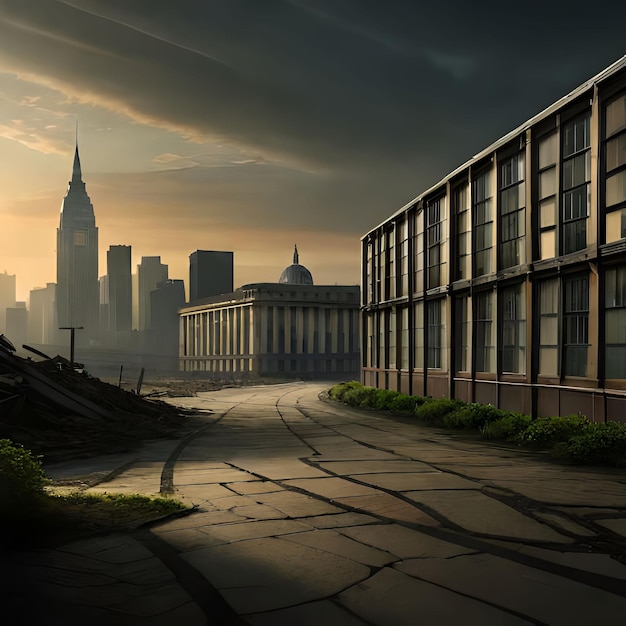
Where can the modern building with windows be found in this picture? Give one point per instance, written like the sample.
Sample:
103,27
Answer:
505,283
291,328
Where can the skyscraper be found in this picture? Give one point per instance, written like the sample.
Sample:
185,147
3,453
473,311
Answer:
42,316
77,260
150,272
7,297
210,273
119,288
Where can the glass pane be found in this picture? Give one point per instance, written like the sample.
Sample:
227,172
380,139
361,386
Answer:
615,225
616,188
615,326
616,116
547,183
548,330
548,361
547,151
548,244
548,212
616,362
616,152
576,171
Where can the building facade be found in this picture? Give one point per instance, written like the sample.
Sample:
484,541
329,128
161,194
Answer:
287,329
210,274
77,295
150,272
7,297
505,283
273,329
43,328
119,289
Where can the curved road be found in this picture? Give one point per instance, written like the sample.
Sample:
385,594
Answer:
314,513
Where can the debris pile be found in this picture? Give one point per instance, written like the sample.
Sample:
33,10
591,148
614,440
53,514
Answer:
62,412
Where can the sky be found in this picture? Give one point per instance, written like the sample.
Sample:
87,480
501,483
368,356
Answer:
254,125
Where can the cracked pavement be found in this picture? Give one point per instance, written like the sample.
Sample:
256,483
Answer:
310,512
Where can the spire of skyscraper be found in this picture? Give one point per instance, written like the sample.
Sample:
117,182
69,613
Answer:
77,258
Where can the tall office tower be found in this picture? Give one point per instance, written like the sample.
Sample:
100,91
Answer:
17,324
150,272
119,288
7,297
42,316
77,260
210,274
166,299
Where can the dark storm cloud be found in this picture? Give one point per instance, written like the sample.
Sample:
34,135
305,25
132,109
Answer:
354,85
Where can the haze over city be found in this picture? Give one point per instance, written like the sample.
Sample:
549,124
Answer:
251,126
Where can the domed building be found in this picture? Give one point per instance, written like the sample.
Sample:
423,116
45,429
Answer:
296,274
290,328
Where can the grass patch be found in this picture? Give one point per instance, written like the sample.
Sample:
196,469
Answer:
30,513
572,438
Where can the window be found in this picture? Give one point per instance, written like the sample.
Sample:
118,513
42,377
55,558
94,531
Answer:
369,354
404,339
548,155
418,335
512,212
435,217
575,325
549,327
575,175
460,198
403,269
513,329
462,334
418,251
483,224
390,273
370,265
390,319
615,322
434,334
80,237
485,335
615,156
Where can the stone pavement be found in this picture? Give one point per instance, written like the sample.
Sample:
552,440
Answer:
309,513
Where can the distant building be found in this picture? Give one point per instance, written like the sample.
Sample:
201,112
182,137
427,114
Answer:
119,289
165,300
291,329
505,282
210,273
42,316
17,324
150,272
77,260
7,297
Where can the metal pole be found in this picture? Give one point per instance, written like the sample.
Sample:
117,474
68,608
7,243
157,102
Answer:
71,329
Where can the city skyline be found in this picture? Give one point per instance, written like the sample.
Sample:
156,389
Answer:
251,129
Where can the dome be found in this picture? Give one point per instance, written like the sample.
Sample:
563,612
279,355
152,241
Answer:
296,274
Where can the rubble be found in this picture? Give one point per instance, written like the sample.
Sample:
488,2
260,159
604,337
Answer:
62,412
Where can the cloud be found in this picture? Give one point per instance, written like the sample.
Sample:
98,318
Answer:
331,85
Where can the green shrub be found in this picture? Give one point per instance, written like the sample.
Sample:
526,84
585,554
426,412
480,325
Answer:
433,410
364,397
545,432
460,418
405,404
601,443
506,428
383,399
337,392
21,473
